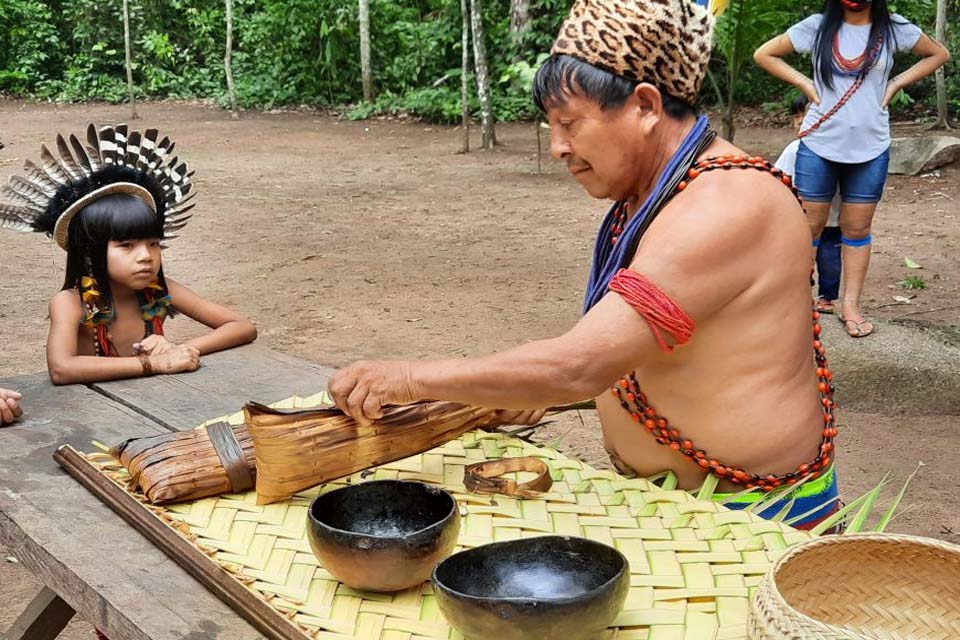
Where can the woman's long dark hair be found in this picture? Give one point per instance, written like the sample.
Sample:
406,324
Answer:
881,27
115,217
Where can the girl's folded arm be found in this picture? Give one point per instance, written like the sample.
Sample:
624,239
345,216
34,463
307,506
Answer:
63,363
230,329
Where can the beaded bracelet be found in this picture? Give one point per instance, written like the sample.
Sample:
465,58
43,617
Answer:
146,364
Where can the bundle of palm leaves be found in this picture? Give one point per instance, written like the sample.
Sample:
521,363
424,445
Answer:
300,448
186,465
283,451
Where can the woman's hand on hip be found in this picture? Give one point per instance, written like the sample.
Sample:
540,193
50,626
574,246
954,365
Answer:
893,88
810,91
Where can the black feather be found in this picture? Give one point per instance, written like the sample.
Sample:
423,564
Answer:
81,154
108,175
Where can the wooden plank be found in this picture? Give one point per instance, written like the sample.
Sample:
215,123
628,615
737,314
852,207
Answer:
43,619
111,575
223,384
243,600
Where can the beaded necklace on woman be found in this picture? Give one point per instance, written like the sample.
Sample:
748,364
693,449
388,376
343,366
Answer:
857,67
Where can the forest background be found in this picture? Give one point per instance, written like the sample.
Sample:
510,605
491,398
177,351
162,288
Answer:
308,53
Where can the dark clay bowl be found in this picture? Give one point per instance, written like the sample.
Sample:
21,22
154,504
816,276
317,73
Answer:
383,535
549,588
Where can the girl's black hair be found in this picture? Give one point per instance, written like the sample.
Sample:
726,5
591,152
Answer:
562,75
115,217
881,27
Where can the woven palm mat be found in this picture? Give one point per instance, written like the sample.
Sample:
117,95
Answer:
694,564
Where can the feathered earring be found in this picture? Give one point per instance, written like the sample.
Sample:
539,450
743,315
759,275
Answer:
97,316
154,307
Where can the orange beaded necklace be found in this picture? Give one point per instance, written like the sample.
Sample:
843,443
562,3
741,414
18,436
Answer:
627,389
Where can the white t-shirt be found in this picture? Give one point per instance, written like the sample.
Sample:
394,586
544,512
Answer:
860,130
787,162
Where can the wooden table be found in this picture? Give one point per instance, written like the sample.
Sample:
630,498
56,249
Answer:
90,561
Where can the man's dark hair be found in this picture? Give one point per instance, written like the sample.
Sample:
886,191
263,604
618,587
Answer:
799,105
563,75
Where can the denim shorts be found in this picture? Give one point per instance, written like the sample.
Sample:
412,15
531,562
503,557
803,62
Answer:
817,179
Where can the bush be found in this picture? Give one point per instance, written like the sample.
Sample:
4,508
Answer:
307,52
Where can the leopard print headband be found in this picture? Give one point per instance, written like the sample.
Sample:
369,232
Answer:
663,42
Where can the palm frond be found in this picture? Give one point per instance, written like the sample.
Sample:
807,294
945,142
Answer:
888,516
708,487
573,406
857,513
859,521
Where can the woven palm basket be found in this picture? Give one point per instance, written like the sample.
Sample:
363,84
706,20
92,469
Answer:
861,587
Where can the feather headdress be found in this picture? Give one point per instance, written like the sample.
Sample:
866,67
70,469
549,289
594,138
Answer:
49,194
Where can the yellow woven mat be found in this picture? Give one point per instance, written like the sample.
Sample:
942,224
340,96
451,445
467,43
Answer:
694,564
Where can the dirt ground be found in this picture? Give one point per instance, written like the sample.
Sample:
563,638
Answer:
346,240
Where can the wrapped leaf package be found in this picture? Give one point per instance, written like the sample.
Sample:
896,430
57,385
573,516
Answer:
188,465
299,448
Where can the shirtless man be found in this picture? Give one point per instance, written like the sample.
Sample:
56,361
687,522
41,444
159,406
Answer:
717,330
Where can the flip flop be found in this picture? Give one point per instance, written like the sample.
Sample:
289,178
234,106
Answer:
824,306
858,330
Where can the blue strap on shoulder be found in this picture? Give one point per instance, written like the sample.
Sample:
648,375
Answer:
609,258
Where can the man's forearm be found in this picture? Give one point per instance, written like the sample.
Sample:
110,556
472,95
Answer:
535,375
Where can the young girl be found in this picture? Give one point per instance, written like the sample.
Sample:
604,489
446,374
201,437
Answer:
110,205
846,133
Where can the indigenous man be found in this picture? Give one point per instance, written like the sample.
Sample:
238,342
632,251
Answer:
718,331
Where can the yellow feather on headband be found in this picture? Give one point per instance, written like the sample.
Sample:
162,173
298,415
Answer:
716,7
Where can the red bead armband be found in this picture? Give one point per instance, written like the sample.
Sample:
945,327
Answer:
656,307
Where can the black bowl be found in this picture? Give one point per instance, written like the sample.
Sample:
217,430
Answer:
383,535
547,588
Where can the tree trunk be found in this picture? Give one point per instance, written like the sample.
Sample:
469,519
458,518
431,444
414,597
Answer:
228,62
943,113
129,57
519,23
734,63
536,123
465,75
365,71
489,136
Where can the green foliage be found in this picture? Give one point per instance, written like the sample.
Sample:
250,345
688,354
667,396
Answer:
28,43
307,52
436,104
913,283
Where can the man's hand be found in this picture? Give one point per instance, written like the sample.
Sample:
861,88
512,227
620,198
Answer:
10,408
522,418
177,359
153,345
363,388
